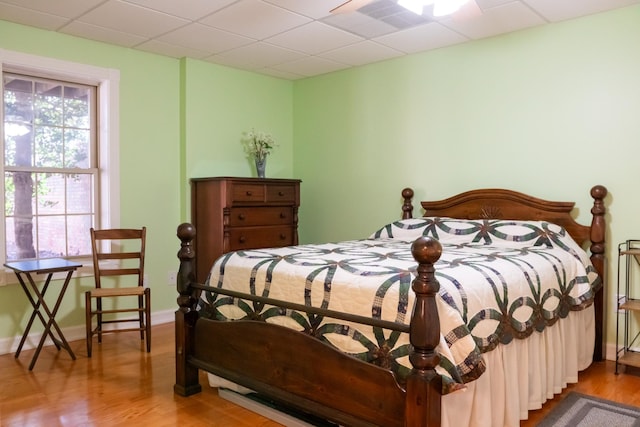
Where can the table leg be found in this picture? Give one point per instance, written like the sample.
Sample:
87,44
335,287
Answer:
51,323
36,312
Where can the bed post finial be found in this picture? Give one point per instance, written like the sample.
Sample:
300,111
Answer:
597,237
407,207
186,315
186,233
424,385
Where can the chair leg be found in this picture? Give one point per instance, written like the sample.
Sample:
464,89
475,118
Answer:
147,310
99,318
89,338
141,314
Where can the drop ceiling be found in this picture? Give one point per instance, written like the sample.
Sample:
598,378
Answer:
289,39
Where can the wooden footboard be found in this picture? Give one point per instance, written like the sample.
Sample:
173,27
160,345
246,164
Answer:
304,373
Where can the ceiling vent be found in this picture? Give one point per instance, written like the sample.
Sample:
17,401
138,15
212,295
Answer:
390,12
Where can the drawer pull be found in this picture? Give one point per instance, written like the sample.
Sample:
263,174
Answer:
280,193
249,193
242,239
283,215
283,236
241,217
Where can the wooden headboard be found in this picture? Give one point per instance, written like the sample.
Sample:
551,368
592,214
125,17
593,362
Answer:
496,203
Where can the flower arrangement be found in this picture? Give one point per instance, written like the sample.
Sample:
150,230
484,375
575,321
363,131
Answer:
258,144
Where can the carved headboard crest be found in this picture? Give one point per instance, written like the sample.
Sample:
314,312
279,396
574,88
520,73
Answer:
490,212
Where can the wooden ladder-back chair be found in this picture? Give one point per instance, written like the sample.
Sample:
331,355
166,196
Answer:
122,261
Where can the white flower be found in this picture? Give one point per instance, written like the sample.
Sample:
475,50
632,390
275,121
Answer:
258,144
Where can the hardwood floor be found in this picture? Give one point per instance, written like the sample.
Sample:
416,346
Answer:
123,385
120,385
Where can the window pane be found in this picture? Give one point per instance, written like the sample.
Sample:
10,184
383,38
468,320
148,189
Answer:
50,193
51,236
77,148
48,104
18,116
80,194
76,107
19,215
49,147
79,238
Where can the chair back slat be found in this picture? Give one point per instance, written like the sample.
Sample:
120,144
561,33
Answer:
111,237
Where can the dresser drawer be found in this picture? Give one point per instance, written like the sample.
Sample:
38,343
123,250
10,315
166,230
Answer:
245,217
241,213
281,193
260,237
241,192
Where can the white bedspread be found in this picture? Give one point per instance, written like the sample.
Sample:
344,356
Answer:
501,282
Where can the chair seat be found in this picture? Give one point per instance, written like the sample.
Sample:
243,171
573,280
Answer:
116,292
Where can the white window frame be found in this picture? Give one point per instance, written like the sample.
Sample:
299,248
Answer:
107,80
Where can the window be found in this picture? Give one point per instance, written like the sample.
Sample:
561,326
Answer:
59,122
50,167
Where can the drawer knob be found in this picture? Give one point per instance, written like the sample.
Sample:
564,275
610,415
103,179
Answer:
283,215
249,193
242,239
283,236
280,193
241,217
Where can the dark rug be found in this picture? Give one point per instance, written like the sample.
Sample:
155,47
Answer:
580,410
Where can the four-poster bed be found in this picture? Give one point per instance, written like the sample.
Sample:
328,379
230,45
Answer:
306,373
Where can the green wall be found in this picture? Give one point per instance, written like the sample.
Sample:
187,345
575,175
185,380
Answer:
178,119
548,111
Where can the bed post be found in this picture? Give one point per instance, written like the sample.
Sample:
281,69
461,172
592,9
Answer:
424,385
186,375
407,207
597,237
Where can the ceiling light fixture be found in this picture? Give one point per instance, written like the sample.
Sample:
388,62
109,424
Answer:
440,7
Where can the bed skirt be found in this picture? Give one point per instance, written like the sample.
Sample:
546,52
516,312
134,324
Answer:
503,395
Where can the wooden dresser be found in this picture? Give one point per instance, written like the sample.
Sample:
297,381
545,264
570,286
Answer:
242,213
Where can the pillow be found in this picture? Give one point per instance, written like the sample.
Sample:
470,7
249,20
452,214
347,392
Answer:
492,232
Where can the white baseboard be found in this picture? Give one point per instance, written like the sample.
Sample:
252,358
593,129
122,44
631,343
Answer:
72,333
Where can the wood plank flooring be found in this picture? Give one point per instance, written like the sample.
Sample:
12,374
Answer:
123,385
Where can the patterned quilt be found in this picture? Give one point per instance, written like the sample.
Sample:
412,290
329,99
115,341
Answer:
499,281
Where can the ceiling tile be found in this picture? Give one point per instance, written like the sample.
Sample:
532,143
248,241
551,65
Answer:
255,19
129,18
280,74
360,24
93,32
555,11
361,53
310,65
37,19
312,8
204,38
497,20
188,9
168,49
425,37
257,55
314,38
65,8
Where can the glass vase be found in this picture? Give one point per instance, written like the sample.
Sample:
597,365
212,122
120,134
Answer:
261,164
